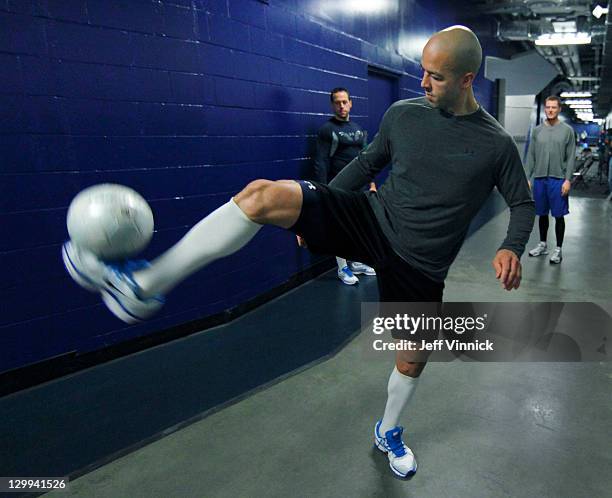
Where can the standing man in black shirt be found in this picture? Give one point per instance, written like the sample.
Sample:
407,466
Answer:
339,141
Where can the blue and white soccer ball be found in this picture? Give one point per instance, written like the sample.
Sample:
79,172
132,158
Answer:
112,221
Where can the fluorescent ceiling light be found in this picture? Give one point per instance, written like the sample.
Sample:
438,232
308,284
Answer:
565,26
566,95
600,11
563,39
360,7
578,101
367,6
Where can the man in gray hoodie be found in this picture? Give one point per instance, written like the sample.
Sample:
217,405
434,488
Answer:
446,153
550,166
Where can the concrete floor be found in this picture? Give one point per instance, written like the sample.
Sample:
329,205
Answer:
477,429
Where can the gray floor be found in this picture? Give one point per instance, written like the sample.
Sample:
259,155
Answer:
478,429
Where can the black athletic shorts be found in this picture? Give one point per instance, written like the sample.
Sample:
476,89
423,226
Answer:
342,223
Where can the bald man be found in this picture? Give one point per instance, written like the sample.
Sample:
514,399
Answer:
447,155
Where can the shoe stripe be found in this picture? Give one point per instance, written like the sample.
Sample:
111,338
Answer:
111,294
74,267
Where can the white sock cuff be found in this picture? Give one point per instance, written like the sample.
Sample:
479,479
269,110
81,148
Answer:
234,209
404,378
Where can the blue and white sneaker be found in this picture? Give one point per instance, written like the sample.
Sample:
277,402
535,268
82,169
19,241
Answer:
346,275
362,269
401,458
114,282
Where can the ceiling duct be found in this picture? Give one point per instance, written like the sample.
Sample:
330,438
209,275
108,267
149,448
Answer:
564,57
543,8
558,8
585,67
518,31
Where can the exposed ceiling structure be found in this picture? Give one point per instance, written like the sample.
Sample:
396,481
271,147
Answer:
581,67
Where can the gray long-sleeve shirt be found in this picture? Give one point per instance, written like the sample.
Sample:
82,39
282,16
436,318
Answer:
552,152
443,169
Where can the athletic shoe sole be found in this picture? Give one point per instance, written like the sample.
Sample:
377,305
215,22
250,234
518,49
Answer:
369,274
536,255
75,274
115,306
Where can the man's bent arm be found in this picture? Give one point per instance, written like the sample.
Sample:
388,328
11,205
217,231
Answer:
530,163
570,156
321,162
512,184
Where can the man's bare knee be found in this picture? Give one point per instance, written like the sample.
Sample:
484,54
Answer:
265,201
251,199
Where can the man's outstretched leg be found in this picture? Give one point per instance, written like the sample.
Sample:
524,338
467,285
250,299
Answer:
133,291
398,282
388,432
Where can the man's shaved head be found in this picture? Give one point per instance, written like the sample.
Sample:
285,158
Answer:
464,53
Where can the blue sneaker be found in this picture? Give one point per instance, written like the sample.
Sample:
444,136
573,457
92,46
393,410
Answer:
401,458
362,269
346,275
114,282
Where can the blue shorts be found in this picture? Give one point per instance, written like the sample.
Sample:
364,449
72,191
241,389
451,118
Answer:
547,197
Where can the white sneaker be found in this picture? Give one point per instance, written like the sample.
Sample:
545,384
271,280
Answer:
346,275
362,269
401,458
539,250
114,282
556,257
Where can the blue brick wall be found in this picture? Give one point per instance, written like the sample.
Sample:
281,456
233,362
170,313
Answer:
183,100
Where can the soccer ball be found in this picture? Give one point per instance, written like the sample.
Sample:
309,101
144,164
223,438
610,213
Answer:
112,221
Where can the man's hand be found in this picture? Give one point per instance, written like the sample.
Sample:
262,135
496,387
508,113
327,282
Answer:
301,242
372,187
565,188
507,269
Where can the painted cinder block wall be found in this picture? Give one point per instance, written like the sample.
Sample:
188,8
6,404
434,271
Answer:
185,101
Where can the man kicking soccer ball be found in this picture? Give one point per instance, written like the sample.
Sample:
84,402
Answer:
447,154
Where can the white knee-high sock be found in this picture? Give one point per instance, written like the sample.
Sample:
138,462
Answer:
220,234
341,262
399,391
